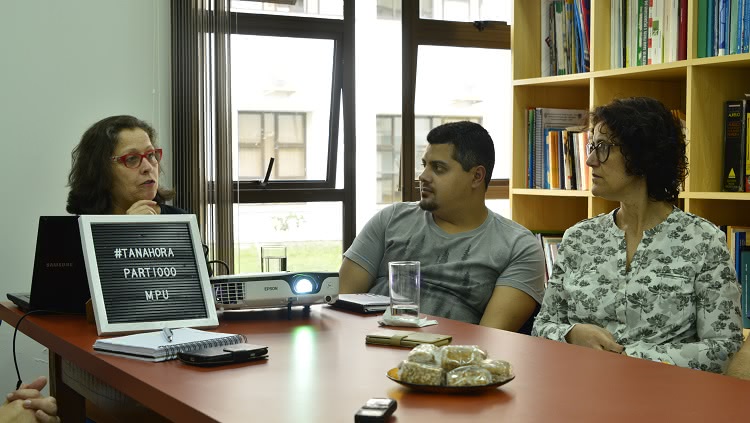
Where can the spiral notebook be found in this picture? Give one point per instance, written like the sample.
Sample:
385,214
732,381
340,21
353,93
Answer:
153,346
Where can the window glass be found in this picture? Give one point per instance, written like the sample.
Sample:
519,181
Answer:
311,233
499,206
310,8
388,159
378,109
389,9
281,106
459,83
466,10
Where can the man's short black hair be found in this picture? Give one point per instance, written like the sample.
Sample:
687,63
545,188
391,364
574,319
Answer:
472,143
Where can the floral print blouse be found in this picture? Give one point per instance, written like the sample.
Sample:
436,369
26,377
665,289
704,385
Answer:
678,303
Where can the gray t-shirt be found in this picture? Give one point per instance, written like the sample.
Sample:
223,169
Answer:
459,271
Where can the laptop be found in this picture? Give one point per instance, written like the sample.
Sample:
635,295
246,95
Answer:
59,282
363,303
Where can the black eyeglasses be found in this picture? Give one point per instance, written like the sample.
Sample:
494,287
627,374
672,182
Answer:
602,150
134,160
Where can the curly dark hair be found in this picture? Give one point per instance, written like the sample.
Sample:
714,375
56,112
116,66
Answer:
652,141
90,178
472,143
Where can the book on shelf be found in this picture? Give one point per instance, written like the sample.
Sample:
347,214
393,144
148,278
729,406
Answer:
723,27
154,346
682,31
655,31
550,244
547,148
732,27
735,140
648,32
565,36
549,59
744,278
736,239
747,150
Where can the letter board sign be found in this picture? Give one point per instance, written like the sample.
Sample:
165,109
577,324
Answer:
146,272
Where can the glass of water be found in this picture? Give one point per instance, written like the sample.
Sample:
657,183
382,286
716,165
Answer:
404,280
272,258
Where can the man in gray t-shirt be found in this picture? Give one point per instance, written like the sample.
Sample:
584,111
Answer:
477,266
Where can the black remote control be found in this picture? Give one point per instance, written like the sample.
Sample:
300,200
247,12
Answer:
375,410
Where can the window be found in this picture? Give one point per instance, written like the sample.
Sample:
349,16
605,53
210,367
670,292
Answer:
319,8
283,108
291,74
310,231
464,81
388,159
288,102
389,9
456,68
263,135
465,10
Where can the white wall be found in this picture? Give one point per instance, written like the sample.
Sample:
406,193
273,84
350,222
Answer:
63,66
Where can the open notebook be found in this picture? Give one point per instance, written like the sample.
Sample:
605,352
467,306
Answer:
153,346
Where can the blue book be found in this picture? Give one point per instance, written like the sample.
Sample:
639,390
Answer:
739,242
744,277
711,28
732,25
738,21
530,143
723,29
745,44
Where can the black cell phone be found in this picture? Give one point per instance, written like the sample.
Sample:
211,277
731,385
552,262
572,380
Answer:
215,356
375,410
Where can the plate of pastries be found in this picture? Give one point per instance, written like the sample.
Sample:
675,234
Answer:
451,369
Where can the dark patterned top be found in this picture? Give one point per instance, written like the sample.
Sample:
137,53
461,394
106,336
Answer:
679,303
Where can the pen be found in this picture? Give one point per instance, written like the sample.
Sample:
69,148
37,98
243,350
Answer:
167,334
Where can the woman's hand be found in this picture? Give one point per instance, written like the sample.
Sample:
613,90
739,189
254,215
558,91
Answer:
144,207
593,336
29,395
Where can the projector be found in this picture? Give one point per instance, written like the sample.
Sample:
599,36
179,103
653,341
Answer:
278,289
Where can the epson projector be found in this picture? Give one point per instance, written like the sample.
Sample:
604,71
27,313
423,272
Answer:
280,289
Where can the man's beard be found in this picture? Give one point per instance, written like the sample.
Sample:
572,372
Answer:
428,205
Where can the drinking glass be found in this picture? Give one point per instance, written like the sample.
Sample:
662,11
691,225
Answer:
404,280
273,258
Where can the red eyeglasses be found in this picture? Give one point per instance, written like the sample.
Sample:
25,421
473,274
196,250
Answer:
134,160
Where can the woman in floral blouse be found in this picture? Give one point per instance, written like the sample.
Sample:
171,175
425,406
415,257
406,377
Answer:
647,280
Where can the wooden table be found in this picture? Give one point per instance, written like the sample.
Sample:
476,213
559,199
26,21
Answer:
320,370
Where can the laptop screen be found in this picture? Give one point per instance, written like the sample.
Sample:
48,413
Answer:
59,281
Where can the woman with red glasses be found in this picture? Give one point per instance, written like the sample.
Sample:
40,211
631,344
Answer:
116,169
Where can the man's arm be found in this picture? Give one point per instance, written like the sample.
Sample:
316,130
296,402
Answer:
353,278
509,308
740,364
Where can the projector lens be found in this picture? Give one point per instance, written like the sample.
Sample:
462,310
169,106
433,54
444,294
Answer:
303,286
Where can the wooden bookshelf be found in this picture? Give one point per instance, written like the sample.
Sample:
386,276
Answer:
699,87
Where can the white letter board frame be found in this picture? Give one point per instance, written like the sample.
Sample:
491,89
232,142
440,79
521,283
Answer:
133,308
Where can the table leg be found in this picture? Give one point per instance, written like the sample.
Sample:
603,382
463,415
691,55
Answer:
70,405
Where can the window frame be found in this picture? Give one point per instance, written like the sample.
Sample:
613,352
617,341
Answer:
415,32
342,110
300,27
